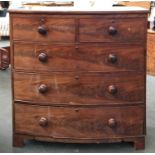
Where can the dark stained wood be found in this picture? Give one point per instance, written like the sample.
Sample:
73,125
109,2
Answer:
79,77
79,88
112,30
139,143
4,59
18,141
29,56
58,30
78,122
105,140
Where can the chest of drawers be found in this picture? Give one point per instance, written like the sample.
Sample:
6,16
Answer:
79,76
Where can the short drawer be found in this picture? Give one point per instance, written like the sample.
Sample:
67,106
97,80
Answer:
105,58
43,28
112,30
79,88
79,123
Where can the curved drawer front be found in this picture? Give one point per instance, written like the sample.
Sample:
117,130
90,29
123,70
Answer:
105,58
79,88
112,30
43,28
79,123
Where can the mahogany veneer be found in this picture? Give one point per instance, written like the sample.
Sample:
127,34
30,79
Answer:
79,76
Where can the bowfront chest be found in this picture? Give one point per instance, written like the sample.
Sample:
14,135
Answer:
79,76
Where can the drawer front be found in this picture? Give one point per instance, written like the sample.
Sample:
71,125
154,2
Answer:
38,28
105,58
79,88
112,30
79,123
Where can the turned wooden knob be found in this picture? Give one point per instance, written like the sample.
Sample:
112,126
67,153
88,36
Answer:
112,122
42,57
77,77
43,122
112,30
112,58
43,88
42,30
112,89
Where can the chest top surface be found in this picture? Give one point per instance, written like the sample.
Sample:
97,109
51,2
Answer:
78,10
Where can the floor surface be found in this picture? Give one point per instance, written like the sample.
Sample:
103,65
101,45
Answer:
33,146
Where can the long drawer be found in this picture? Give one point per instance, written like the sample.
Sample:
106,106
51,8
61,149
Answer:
43,28
105,58
79,88
78,122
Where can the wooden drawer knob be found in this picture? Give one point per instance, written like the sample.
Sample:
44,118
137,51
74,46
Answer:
112,122
112,58
77,77
43,122
112,30
43,88
42,57
112,89
42,30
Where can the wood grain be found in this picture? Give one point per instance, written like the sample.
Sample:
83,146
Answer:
58,30
79,123
96,30
79,76
79,88
78,57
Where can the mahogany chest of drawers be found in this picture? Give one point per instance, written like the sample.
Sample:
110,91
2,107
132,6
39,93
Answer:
79,76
